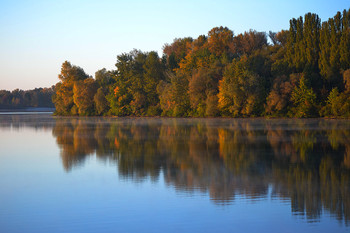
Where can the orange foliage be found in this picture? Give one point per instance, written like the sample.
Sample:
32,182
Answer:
116,90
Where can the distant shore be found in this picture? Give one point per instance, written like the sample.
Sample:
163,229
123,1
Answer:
31,109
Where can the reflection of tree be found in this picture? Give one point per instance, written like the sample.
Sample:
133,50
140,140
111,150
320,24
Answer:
312,171
74,138
338,137
19,121
306,161
136,147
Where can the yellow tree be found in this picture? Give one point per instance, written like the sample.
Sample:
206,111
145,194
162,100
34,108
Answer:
63,97
84,92
220,41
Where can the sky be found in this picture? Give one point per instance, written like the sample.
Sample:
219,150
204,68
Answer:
36,37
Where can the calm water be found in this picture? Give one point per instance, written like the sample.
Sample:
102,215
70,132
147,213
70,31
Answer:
173,175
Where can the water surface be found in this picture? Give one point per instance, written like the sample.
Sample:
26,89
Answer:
71,174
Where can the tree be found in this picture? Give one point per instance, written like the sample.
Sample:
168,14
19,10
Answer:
174,97
278,100
101,103
333,104
220,41
63,99
126,95
84,92
179,85
346,80
136,80
325,47
219,74
311,34
240,91
153,74
304,100
166,100
337,105
202,85
104,78
344,50
176,51
71,73
247,43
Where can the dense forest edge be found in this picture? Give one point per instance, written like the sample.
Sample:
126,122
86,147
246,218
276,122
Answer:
300,72
22,99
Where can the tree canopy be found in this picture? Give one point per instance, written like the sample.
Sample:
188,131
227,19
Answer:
38,97
299,72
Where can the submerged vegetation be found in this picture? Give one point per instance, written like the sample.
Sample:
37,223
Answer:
302,72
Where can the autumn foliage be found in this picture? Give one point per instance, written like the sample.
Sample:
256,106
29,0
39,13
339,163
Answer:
300,72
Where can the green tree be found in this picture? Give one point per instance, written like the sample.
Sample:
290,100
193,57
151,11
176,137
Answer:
325,50
202,85
304,100
153,74
101,103
311,35
240,91
104,78
126,97
303,43
71,73
344,49
334,49
181,101
333,105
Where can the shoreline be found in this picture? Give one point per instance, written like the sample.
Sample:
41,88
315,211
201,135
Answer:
28,109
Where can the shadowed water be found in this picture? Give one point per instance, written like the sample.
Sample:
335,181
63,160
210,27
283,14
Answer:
169,175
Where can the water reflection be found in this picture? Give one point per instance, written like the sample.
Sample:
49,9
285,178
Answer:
305,161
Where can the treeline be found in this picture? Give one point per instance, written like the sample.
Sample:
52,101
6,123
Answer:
38,97
303,72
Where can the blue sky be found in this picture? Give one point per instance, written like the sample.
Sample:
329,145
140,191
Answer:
38,36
